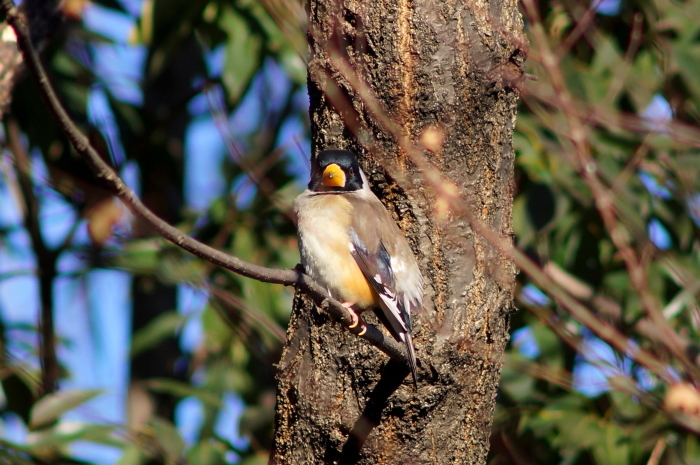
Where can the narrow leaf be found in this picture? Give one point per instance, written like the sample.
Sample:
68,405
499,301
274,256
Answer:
180,389
163,326
49,408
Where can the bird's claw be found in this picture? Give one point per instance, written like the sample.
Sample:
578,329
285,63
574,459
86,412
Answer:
353,316
356,319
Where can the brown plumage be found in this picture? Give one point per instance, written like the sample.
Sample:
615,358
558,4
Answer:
350,245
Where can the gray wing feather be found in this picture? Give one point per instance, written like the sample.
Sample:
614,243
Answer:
377,269
386,260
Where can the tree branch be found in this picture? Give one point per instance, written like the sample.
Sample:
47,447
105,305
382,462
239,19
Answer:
450,194
45,261
111,181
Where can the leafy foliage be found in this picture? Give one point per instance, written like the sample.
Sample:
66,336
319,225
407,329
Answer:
141,124
629,255
625,248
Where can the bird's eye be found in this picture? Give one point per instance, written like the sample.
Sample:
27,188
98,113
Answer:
352,173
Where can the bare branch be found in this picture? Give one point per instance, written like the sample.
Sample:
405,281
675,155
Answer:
45,261
111,181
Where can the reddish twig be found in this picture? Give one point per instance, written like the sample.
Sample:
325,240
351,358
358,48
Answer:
581,27
603,197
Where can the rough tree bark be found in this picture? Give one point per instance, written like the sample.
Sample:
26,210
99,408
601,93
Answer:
442,71
43,16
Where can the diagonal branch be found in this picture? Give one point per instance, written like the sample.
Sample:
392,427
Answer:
111,181
448,192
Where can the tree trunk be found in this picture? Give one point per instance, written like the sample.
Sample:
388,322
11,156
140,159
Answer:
445,74
43,16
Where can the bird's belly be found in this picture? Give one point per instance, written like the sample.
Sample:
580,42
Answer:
330,264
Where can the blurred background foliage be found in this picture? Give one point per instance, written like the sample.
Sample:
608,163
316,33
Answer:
631,70
201,106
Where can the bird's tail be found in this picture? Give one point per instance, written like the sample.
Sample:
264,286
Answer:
411,354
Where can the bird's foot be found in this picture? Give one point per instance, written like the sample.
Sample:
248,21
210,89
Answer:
353,315
356,319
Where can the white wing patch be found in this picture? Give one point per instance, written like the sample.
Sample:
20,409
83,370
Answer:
389,303
377,268
398,266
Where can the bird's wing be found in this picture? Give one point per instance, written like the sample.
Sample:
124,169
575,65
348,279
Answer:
370,229
387,262
376,266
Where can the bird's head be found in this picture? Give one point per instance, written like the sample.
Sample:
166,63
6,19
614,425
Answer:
335,171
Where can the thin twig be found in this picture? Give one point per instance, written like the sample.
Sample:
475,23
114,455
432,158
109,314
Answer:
252,316
114,184
581,27
621,72
255,171
604,198
448,192
657,452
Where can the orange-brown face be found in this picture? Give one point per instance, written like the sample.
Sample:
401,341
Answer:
333,176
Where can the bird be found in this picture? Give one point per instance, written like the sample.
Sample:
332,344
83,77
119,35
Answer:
352,247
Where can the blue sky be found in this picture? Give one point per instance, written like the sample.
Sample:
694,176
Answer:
93,316
94,306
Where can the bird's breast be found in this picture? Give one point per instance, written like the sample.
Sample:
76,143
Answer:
324,245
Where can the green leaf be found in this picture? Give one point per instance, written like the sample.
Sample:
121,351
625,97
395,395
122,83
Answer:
175,267
258,459
180,389
163,326
243,53
8,455
132,456
11,446
513,382
549,344
207,453
169,438
216,328
67,432
50,408
139,256
625,405
614,446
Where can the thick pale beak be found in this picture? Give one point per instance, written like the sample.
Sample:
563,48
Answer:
333,176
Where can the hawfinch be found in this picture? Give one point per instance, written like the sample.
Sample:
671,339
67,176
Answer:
351,246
